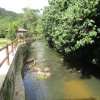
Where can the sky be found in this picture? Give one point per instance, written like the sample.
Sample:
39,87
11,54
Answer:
17,5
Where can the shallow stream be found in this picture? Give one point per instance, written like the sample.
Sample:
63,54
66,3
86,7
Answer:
64,82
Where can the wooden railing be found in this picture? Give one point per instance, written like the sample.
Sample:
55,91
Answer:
13,45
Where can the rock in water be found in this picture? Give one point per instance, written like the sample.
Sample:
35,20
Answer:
62,59
46,69
29,60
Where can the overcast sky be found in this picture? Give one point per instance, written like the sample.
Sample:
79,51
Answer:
17,5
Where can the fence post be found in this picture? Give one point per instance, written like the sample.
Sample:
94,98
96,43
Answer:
24,39
20,39
16,43
12,48
7,55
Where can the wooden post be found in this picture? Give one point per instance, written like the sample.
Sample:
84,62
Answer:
20,39
7,55
12,49
17,41
15,44
24,39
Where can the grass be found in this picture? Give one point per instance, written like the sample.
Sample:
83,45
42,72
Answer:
4,41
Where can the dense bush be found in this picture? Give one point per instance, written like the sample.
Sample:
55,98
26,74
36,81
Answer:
73,26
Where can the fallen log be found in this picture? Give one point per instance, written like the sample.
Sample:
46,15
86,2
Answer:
29,61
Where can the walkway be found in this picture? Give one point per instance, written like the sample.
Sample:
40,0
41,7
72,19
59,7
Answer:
5,67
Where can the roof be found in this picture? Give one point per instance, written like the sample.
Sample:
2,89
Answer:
21,30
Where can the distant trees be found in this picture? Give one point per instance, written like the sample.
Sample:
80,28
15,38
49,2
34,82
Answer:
3,26
73,26
32,21
8,14
6,19
12,28
29,19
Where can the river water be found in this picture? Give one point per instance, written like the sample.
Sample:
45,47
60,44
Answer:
64,82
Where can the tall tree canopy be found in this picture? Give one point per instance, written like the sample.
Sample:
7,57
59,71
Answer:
31,20
74,25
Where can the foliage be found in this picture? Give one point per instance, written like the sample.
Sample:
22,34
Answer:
39,28
8,14
73,25
6,18
32,21
3,42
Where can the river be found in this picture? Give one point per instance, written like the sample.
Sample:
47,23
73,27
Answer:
64,82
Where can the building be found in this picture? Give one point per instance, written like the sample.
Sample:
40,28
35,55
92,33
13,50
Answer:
21,32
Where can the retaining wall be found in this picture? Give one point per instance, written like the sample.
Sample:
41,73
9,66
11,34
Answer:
13,79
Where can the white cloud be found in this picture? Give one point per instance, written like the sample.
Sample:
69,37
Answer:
17,5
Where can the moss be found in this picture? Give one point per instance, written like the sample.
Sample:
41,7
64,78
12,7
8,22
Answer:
7,95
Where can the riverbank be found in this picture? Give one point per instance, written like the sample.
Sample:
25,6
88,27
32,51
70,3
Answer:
19,89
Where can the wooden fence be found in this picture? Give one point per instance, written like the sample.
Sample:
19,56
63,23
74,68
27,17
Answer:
13,45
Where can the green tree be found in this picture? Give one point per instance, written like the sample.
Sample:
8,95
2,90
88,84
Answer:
73,25
30,18
12,28
6,18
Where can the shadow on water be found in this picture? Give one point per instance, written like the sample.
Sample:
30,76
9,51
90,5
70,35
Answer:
86,70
